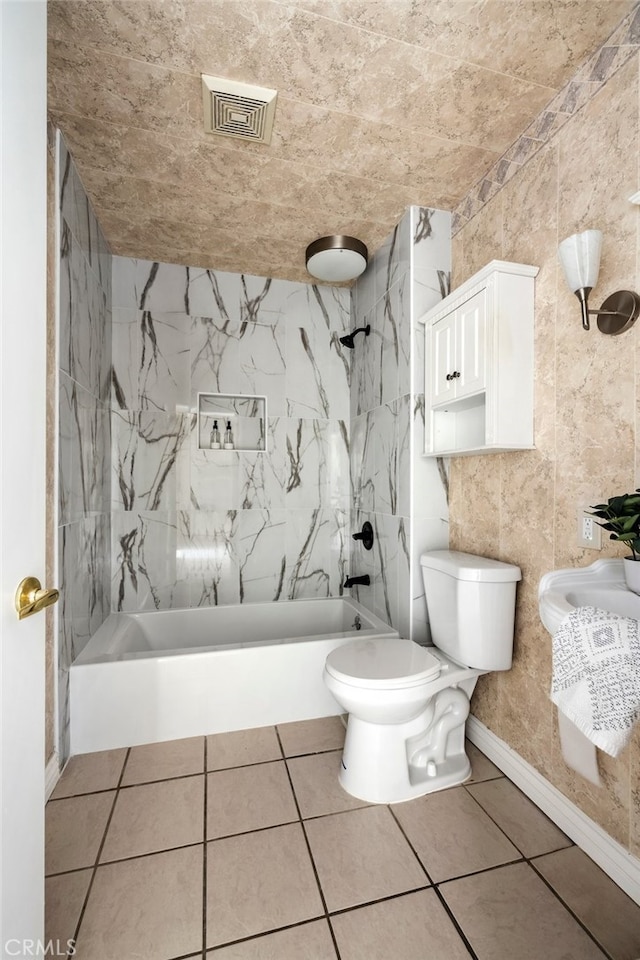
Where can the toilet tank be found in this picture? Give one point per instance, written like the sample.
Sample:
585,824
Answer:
471,604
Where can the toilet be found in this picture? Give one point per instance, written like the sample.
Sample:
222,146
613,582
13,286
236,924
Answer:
408,704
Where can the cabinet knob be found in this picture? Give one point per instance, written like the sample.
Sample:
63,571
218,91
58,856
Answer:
456,374
449,376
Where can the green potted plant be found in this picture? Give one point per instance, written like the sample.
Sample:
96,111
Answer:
621,516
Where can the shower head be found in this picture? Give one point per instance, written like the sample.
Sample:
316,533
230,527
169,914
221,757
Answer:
347,340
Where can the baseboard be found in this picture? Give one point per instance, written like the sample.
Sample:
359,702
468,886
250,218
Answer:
51,775
618,863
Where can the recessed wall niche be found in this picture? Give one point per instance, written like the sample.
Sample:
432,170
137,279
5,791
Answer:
246,415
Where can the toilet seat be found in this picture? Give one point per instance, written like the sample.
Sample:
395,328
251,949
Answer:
390,664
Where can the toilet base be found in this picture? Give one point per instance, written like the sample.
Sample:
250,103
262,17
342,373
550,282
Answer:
392,763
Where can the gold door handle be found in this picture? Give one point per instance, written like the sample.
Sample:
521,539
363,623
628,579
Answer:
31,598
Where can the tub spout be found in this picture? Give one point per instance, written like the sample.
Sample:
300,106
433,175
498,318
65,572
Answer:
352,581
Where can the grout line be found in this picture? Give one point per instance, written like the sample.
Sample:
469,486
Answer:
569,910
197,773
97,861
385,899
547,853
151,853
454,921
494,821
312,861
472,783
509,838
411,846
478,873
127,786
265,933
338,813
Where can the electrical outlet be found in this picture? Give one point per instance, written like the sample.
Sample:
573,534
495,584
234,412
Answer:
589,532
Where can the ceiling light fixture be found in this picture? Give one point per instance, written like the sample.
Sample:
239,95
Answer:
334,259
580,258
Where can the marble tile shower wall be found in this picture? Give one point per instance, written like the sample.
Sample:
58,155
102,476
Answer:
430,232
84,301
402,494
192,526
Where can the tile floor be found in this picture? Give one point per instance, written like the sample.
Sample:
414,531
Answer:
243,846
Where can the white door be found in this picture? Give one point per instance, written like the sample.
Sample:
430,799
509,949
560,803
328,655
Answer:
22,467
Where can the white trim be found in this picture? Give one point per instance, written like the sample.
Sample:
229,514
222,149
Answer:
51,775
635,198
56,461
617,863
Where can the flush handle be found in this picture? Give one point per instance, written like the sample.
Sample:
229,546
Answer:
31,598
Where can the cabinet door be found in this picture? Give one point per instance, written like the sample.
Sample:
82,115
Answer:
443,385
471,321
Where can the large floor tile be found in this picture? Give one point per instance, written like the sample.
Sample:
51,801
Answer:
315,782
242,747
154,817
611,916
362,856
511,913
258,882
248,798
74,831
412,927
63,899
310,941
311,736
452,835
149,908
525,825
159,761
90,772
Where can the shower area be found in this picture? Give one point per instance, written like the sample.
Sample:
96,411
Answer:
150,518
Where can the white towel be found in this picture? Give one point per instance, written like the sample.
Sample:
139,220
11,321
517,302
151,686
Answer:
596,675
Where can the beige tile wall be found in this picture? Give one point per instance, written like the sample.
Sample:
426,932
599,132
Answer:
521,507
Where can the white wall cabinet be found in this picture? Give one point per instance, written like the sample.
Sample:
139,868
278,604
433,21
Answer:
479,364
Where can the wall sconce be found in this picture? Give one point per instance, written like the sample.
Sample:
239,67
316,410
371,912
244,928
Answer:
334,259
580,258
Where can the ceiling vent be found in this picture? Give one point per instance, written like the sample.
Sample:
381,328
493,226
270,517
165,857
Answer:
238,109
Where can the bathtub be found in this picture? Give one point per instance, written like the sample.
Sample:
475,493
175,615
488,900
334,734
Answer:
147,677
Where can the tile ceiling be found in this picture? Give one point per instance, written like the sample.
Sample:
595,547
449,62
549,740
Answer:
381,104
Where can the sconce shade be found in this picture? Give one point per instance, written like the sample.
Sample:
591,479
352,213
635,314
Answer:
580,258
335,259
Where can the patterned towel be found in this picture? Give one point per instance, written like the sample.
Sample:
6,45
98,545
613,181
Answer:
596,675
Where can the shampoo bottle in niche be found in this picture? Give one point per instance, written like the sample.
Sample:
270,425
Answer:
215,436
228,437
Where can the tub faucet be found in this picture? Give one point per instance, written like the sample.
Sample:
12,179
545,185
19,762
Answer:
352,581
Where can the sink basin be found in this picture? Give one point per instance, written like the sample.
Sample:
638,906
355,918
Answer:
600,585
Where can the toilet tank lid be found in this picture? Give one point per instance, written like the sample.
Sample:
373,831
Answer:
469,566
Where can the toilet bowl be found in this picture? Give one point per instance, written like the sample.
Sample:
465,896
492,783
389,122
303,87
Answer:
408,704
404,712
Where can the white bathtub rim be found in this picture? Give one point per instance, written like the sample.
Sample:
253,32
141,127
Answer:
117,625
